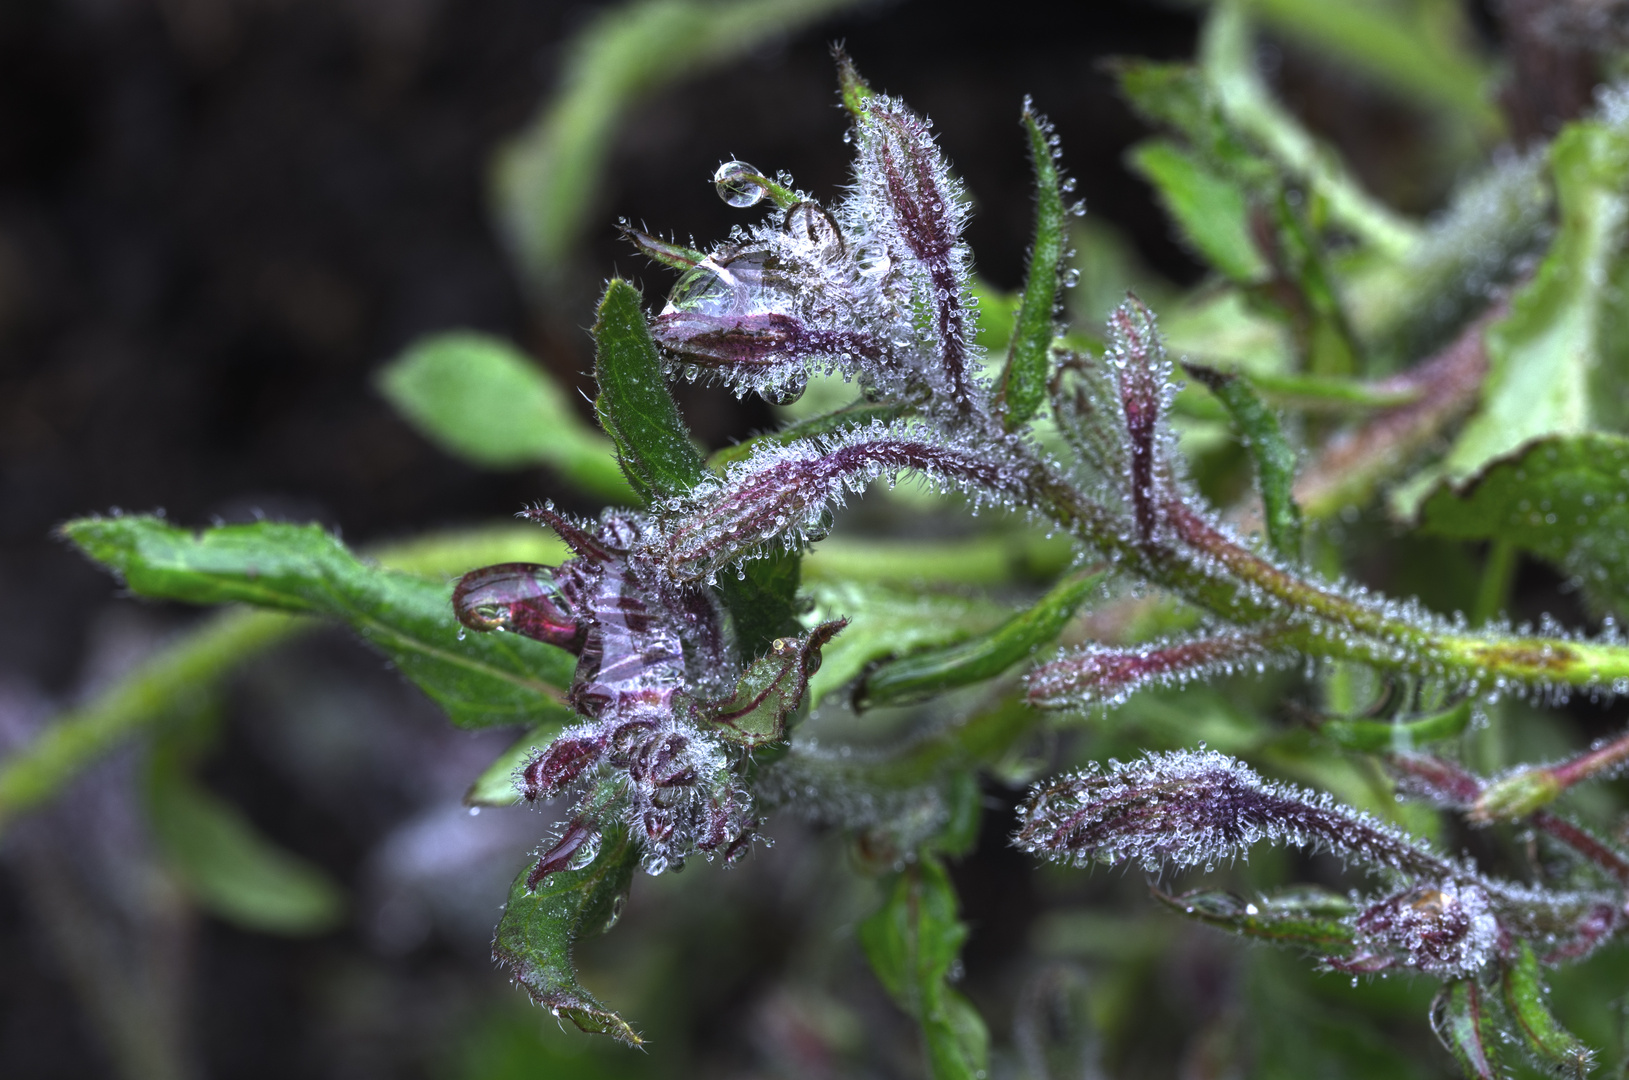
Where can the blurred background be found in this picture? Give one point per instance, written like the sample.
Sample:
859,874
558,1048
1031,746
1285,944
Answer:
218,219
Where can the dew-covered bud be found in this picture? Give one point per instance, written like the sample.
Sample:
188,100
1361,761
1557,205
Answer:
1098,675
520,597
1143,374
780,492
560,764
1445,928
1194,809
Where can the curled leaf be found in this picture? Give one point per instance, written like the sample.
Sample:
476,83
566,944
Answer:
539,928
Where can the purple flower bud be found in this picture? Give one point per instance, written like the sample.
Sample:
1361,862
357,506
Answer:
558,766
1095,674
781,491
1446,929
1144,377
521,597
1194,809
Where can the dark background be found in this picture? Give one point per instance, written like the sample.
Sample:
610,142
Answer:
217,219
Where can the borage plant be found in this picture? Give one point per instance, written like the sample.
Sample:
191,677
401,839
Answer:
666,664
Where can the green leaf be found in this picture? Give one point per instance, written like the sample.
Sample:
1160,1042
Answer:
1398,736
1273,456
539,929
1228,62
496,784
763,602
923,675
885,621
1419,51
912,944
1466,1022
772,689
231,870
482,400
481,679
1544,355
1029,356
549,180
1552,1046
1210,209
634,404
1309,918
1565,499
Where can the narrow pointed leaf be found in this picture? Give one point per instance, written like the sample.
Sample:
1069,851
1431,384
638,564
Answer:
634,404
1311,918
1552,1046
1029,355
1273,456
232,871
772,689
913,943
539,929
1398,736
481,679
886,621
923,675
1564,499
1465,1021
480,399
1211,209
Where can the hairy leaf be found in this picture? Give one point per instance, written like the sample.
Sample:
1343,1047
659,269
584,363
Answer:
1211,210
1565,499
920,676
1310,918
1271,452
539,929
913,943
772,689
634,404
887,621
1544,354
482,400
1467,1023
479,680
228,868
1029,355
1551,1045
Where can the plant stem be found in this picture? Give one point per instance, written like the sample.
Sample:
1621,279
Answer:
1242,587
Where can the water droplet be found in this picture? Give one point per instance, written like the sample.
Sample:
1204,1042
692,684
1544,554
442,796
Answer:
616,913
585,853
739,184
475,811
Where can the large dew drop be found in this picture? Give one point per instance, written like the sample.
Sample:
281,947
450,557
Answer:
522,597
739,184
